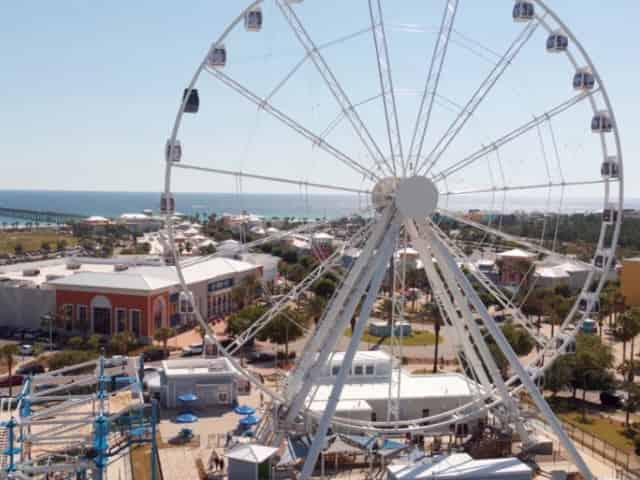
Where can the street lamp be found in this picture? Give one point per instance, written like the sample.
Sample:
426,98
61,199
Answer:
47,317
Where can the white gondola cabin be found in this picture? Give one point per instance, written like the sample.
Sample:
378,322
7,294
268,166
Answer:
175,154
217,57
253,20
192,105
523,11
601,259
584,80
601,122
167,204
609,168
557,42
610,215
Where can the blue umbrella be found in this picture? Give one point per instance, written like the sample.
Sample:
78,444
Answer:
249,420
186,417
188,397
244,410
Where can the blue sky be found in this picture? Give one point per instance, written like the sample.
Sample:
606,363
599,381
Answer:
89,90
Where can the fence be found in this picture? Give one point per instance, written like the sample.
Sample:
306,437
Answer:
627,465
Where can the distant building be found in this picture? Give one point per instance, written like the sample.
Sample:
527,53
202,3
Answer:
92,226
138,223
514,265
141,299
630,281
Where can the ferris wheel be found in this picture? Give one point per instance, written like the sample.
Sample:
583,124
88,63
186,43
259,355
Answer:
445,130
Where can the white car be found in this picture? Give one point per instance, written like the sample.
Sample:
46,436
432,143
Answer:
192,350
26,349
115,361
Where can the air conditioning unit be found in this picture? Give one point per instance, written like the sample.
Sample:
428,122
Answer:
73,266
120,267
30,272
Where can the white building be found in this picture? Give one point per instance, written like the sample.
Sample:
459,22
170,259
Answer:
365,394
214,381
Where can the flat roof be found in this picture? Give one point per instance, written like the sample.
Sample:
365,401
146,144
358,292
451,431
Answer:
151,278
343,406
185,367
439,385
461,466
56,267
251,453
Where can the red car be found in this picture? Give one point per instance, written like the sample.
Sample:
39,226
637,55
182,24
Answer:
11,381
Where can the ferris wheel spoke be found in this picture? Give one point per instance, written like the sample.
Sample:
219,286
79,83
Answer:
293,124
513,135
269,178
385,77
433,80
533,247
534,186
333,84
486,283
477,98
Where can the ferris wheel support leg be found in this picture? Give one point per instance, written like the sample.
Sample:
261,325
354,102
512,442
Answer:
385,252
329,329
532,389
469,323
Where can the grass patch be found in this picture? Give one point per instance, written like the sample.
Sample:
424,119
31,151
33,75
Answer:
416,339
32,241
610,431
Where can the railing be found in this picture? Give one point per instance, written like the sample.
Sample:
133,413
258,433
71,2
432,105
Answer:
627,465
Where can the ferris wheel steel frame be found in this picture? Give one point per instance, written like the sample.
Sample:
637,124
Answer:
431,242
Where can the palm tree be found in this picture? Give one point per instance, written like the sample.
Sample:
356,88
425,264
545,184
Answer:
627,328
431,310
163,335
8,353
315,308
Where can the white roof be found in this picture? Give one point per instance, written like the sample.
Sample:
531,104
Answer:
272,230
190,232
251,453
134,216
461,466
150,278
575,267
96,219
407,251
440,385
343,406
322,236
516,253
185,367
551,272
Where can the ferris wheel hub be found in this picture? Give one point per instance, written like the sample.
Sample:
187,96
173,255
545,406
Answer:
416,197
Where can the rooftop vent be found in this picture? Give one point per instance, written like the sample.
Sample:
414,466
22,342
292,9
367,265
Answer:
120,267
73,266
30,272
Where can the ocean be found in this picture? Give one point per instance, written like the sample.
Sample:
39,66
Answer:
113,204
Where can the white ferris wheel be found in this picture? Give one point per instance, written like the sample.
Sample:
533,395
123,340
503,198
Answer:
425,112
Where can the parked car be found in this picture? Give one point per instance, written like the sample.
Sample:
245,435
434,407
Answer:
154,355
115,361
192,350
26,349
11,381
612,399
259,357
32,368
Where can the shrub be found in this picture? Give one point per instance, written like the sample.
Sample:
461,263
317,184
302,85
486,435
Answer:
68,358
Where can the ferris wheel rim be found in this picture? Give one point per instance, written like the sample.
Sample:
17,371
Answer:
620,181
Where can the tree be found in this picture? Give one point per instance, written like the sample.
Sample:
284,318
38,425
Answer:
121,342
8,353
315,308
94,343
46,246
18,248
518,338
632,402
432,311
557,308
61,244
324,288
243,319
385,309
163,335
558,376
76,343
285,327
627,327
